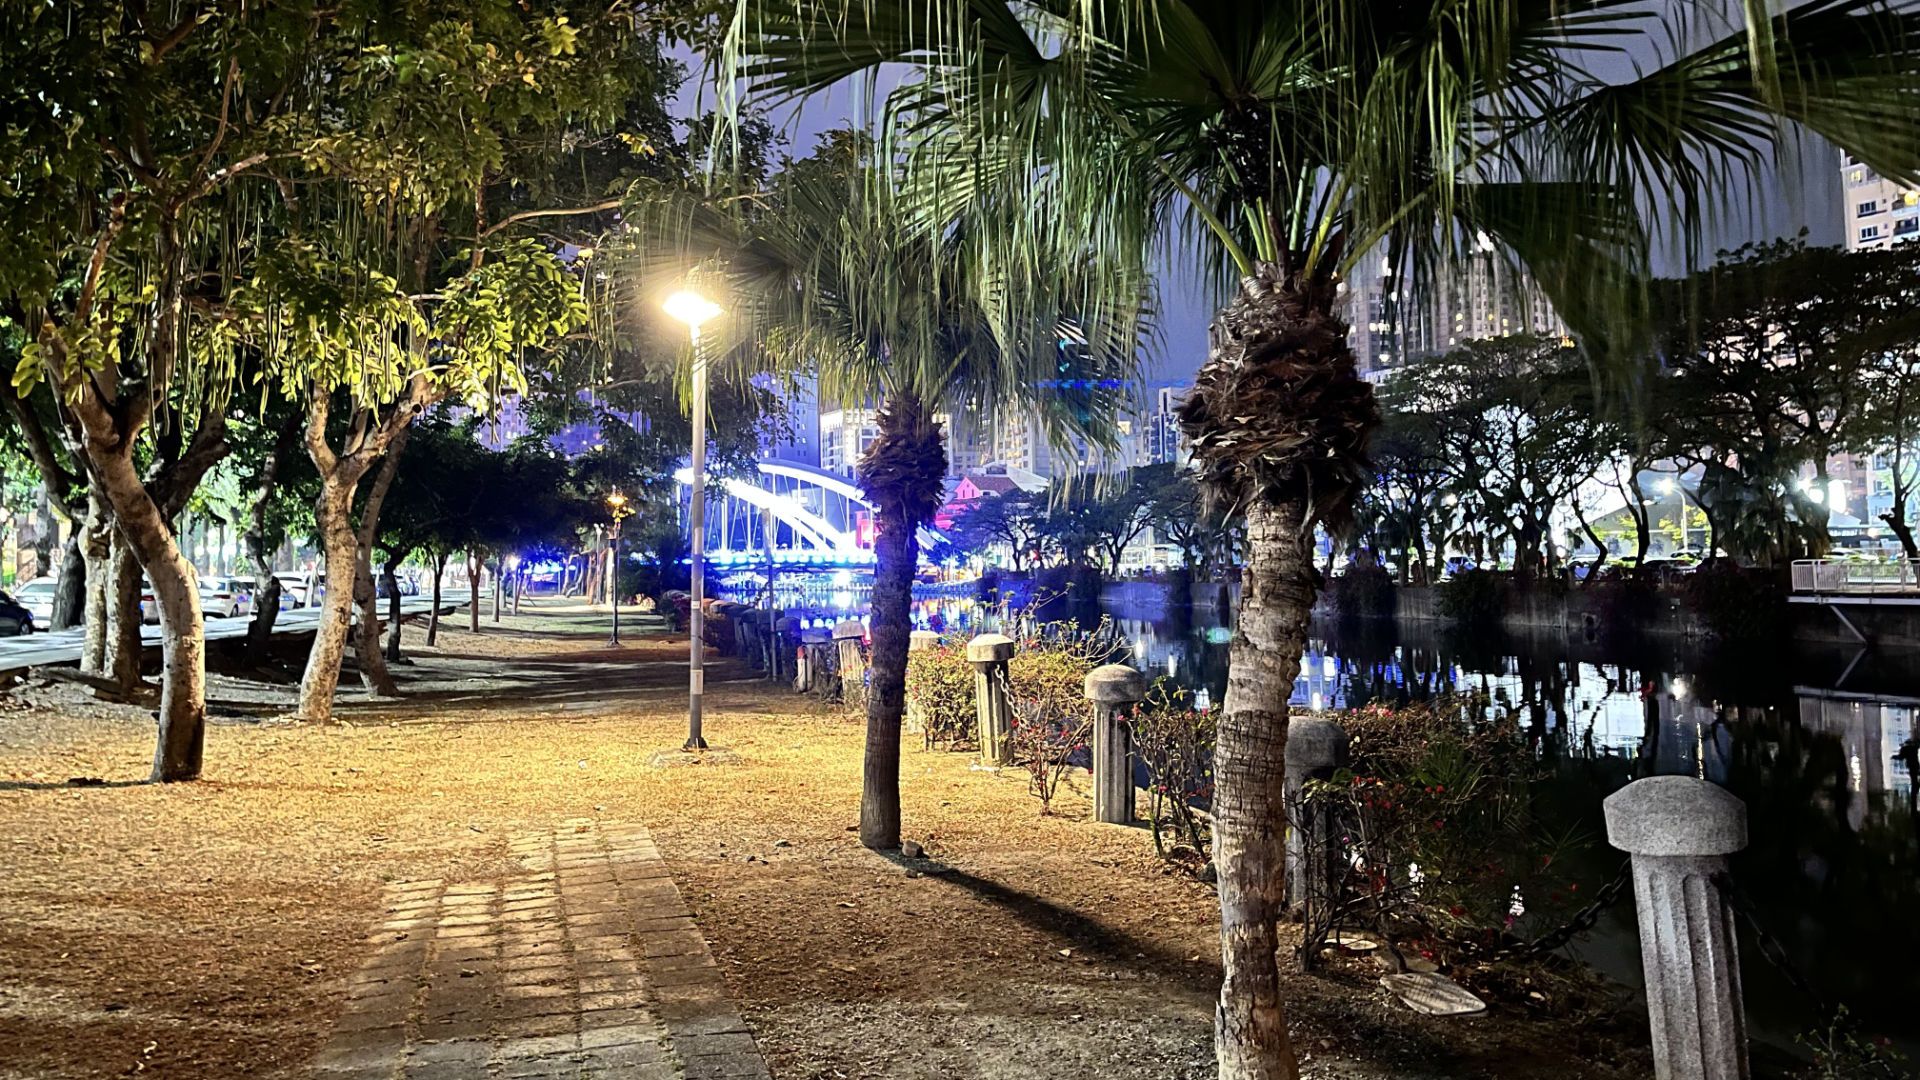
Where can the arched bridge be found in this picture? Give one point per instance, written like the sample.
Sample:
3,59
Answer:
797,514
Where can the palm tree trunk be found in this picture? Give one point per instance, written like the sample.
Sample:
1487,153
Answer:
1279,422
901,473
1249,832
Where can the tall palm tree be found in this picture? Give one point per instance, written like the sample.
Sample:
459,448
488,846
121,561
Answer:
825,276
1284,140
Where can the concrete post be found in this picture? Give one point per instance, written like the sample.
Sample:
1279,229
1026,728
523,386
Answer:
1680,831
1113,689
813,645
786,643
847,636
918,641
989,653
1315,748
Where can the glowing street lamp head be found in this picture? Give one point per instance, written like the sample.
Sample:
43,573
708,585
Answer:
617,506
691,308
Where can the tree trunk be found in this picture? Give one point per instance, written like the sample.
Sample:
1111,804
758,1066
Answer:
1277,593
266,612
901,473
123,644
1896,519
433,617
498,579
389,575
70,595
322,676
473,591
96,546
366,642
1279,420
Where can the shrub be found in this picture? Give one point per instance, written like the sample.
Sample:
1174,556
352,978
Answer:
1046,690
1174,743
1435,826
1363,592
940,687
1473,598
1736,603
1626,599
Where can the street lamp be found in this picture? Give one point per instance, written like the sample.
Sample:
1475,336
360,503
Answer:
693,309
620,509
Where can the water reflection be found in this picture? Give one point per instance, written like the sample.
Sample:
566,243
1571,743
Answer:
1809,737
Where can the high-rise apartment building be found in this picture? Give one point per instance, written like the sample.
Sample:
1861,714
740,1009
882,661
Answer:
1877,211
1161,443
1480,294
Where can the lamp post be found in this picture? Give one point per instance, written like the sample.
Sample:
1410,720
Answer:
693,309
620,509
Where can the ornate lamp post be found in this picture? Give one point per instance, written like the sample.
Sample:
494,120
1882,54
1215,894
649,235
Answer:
620,508
693,309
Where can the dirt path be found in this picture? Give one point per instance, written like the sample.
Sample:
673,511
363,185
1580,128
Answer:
209,930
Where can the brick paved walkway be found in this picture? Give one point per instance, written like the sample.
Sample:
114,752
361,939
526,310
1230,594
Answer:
585,965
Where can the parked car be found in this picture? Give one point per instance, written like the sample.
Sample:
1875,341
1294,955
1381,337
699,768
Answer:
224,598
307,589
149,607
14,619
37,597
251,586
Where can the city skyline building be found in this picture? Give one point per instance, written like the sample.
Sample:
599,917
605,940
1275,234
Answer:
1875,211
1480,294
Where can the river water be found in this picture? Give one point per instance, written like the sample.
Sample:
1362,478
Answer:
1806,736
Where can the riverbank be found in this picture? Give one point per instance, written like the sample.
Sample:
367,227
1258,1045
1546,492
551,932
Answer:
207,930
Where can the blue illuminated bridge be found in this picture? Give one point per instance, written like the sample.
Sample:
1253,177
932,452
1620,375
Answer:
796,515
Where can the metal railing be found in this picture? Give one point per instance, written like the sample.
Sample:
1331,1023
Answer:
1844,577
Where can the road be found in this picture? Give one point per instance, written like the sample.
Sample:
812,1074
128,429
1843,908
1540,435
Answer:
63,647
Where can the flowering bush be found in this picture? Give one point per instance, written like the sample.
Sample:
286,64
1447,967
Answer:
1434,826
1174,742
940,689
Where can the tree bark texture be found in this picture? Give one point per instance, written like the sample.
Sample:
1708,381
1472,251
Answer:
366,642
901,473
474,563
123,644
1278,422
96,547
392,580
1249,837
70,595
433,617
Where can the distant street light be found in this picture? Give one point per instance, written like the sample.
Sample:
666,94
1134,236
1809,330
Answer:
620,508
693,309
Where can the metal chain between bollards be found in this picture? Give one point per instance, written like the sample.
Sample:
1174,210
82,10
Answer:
1776,954
1583,920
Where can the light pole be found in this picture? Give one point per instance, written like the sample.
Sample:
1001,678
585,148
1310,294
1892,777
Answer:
620,509
693,309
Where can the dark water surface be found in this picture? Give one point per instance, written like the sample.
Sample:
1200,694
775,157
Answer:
1806,735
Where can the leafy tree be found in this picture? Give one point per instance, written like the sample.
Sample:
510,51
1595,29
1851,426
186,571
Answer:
1285,141
1779,352
919,337
1015,522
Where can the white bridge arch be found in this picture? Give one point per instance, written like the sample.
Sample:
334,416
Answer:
795,513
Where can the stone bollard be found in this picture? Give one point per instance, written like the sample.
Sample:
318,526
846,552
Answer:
1315,748
808,664
786,646
1680,831
918,641
989,653
847,636
1113,689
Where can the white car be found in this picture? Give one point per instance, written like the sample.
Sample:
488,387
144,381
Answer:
37,596
224,598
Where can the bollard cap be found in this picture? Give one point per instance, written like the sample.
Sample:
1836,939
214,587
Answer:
922,639
1675,815
849,628
986,648
1315,743
786,624
1115,684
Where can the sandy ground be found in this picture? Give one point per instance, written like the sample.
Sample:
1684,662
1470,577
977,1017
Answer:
205,930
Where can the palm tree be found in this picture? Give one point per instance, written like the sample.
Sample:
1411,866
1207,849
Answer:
1284,140
825,276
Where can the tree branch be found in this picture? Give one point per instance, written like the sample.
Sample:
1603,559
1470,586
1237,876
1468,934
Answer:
529,215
